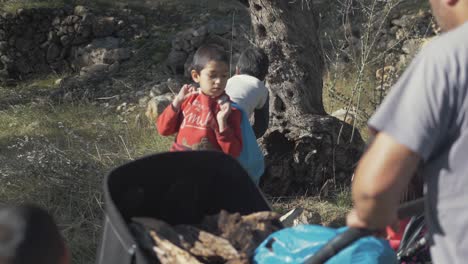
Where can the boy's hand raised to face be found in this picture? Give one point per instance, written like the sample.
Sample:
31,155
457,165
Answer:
223,114
185,92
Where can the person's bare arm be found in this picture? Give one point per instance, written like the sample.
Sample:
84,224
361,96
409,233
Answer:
381,176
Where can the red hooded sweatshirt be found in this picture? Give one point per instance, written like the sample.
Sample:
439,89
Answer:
197,127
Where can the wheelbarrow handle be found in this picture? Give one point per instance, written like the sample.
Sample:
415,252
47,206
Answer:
346,238
337,244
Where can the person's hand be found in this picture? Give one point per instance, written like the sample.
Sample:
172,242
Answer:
185,92
353,220
223,114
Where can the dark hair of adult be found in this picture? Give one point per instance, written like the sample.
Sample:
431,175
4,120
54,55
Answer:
207,53
28,234
254,62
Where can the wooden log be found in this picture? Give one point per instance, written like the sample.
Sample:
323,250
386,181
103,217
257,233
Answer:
205,246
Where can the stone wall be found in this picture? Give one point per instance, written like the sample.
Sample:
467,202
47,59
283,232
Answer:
55,40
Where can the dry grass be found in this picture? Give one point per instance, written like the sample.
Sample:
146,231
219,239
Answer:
328,212
57,155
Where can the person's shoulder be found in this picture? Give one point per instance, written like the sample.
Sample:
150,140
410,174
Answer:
447,45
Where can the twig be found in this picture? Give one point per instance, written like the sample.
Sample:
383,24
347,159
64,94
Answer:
107,98
125,146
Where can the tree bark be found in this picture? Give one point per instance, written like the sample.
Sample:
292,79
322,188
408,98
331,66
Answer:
288,31
305,148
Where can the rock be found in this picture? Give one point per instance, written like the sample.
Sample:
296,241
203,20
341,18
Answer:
65,40
59,66
176,61
6,59
53,52
114,67
392,44
24,44
347,116
159,89
22,12
70,20
88,19
56,21
200,32
218,40
218,28
137,20
104,26
385,73
174,85
70,30
12,41
2,34
62,31
143,101
188,65
412,46
82,35
401,34
157,105
23,65
105,43
3,45
121,24
81,10
115,55
39,38
402,62
196,41
99,52
96,69
404,21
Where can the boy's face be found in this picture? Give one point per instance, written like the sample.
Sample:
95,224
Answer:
212,78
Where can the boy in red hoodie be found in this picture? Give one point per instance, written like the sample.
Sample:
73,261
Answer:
203,118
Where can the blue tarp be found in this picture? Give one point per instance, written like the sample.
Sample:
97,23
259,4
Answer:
295,245
251,157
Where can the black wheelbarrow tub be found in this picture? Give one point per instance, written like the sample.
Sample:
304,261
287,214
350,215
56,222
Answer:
177,187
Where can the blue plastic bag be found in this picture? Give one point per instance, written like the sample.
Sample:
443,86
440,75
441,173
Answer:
295,245
251,157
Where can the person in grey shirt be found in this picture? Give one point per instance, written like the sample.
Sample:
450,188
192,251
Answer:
423,121
248,90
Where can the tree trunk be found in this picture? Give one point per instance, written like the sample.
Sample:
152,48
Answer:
305,148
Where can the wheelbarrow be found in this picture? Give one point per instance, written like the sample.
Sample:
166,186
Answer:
312,244
176,187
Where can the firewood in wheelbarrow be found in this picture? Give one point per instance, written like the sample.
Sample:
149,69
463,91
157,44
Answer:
238,261
169,253
168,245
245,233
207,247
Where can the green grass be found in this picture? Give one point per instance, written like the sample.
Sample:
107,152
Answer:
13,6
56,156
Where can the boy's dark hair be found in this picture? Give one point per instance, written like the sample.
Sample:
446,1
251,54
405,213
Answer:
28,234
254,61
207,53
